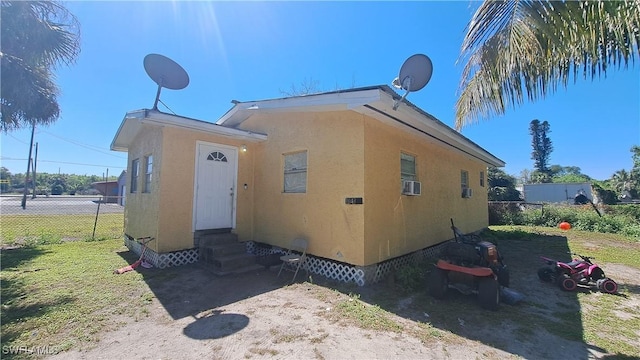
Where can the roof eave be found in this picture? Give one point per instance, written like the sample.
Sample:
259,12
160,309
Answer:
333,101
377,101
134,120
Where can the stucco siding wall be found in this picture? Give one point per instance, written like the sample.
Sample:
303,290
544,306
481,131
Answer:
167,212
142,209
335,161
178,176
397,224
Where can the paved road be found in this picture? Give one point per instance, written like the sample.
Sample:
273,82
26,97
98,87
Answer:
63,205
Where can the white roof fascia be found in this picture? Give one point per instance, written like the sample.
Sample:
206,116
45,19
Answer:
158,118
308,103
133,121
374,102
129,126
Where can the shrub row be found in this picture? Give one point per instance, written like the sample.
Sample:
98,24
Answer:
616,219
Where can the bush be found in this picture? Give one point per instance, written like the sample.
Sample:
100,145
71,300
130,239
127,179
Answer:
617,219
632,211
505,213
412,277
57,189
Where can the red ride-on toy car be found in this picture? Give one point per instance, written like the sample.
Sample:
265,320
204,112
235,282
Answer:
579,271
469,265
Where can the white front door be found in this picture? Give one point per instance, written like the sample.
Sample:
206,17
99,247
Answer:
215,180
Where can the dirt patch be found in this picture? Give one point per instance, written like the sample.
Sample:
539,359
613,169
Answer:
257,315
194,314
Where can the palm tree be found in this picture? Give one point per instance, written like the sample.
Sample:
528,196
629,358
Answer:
523,48
35,37
621,181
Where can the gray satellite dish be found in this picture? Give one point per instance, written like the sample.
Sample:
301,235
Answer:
166,73
415,73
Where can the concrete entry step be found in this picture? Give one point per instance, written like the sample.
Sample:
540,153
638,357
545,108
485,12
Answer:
221,252
211,237
214,251
234,261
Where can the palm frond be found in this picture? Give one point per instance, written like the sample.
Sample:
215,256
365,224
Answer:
35,37
527,49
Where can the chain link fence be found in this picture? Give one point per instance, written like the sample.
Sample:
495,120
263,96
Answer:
55,219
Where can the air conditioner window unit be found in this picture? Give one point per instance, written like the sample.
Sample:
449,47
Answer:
410,187
467,192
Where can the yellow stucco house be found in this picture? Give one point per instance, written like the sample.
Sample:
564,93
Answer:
365,184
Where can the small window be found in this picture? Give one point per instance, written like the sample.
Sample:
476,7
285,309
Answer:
295,172
482,178
217,156
147,173
135,172
464,181
407,167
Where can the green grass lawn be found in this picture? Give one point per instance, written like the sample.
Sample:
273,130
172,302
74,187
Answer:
54,229
607,321
599,313
62,296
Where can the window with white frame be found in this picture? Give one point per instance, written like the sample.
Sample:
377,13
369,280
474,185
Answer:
482,178
464,181
407,167
135,173
295,172
148,168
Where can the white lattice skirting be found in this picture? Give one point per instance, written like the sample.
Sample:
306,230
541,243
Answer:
361,275
164,260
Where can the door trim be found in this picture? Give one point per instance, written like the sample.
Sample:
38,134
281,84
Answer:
195,181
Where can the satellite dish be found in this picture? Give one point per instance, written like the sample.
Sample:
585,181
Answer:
166,73
415,73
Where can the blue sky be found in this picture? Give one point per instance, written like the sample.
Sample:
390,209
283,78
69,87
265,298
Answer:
257,50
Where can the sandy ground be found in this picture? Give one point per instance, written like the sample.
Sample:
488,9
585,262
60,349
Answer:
197,315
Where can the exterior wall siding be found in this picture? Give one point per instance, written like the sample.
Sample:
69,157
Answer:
349,155
142,209
334,143
167,212
397,224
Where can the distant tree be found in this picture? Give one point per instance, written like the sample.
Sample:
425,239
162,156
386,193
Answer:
502,187
57,189
559,170
523,50
542,148
571,178
567,174
5,176
35,37
59,185
525,176
621,182
538,177
635,171
306,87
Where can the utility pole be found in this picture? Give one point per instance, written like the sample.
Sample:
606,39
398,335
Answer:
35,162
26,180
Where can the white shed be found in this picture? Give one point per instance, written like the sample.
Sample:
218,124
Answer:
556,192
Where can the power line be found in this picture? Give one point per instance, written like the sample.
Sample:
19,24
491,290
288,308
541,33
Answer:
64,162
18,140
86,146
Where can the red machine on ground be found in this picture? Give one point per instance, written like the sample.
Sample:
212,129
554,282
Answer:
580,271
